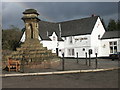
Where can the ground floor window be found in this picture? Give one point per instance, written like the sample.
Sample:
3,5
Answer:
113,47
70,52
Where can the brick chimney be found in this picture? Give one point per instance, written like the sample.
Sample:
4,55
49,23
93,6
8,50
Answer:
93,15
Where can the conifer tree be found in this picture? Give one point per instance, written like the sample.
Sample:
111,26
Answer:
112,25
118,25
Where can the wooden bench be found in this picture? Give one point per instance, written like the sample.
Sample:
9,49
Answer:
13,65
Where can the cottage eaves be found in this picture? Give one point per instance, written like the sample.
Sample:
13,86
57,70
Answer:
111,34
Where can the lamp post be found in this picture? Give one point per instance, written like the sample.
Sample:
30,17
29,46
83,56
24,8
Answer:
86,57
96,57
90,52
96,61
77,56
63,62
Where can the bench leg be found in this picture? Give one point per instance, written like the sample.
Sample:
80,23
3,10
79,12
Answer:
16,67
9,68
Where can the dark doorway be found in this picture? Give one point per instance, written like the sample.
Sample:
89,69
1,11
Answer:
31,31
57,51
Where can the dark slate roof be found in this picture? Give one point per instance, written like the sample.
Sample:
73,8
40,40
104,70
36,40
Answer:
49,27
78,27
68,28
111,34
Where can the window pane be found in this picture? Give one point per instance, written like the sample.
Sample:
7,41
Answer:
115,49
111,49
110,43
72,51
69,53
115,43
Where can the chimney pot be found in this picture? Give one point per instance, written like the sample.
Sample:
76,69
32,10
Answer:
93,15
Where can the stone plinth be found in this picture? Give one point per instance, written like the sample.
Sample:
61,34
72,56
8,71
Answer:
34,55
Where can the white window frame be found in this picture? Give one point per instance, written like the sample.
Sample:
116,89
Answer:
71,52
112,45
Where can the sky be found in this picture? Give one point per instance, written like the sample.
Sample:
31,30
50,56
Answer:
57,11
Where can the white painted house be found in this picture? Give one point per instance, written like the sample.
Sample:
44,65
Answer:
75,36
82,35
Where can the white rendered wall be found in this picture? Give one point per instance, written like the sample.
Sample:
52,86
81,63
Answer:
23,38
52,45
118,44
61,47
105,48
82,44
54,42
95,41
78,43
47,43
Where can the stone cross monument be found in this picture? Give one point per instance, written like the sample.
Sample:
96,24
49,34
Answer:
32,50
31,21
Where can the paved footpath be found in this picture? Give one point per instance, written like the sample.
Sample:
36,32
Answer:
71,66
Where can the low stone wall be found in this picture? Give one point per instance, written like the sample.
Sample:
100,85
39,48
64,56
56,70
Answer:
44,64
34,66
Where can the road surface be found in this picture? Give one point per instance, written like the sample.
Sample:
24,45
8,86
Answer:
106,79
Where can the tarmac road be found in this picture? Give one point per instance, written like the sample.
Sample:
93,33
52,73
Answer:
106,79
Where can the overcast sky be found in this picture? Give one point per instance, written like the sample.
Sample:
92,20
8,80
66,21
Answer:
57,11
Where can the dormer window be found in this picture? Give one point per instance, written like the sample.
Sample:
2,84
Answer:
70,40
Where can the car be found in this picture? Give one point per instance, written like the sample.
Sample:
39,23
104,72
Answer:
115,56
